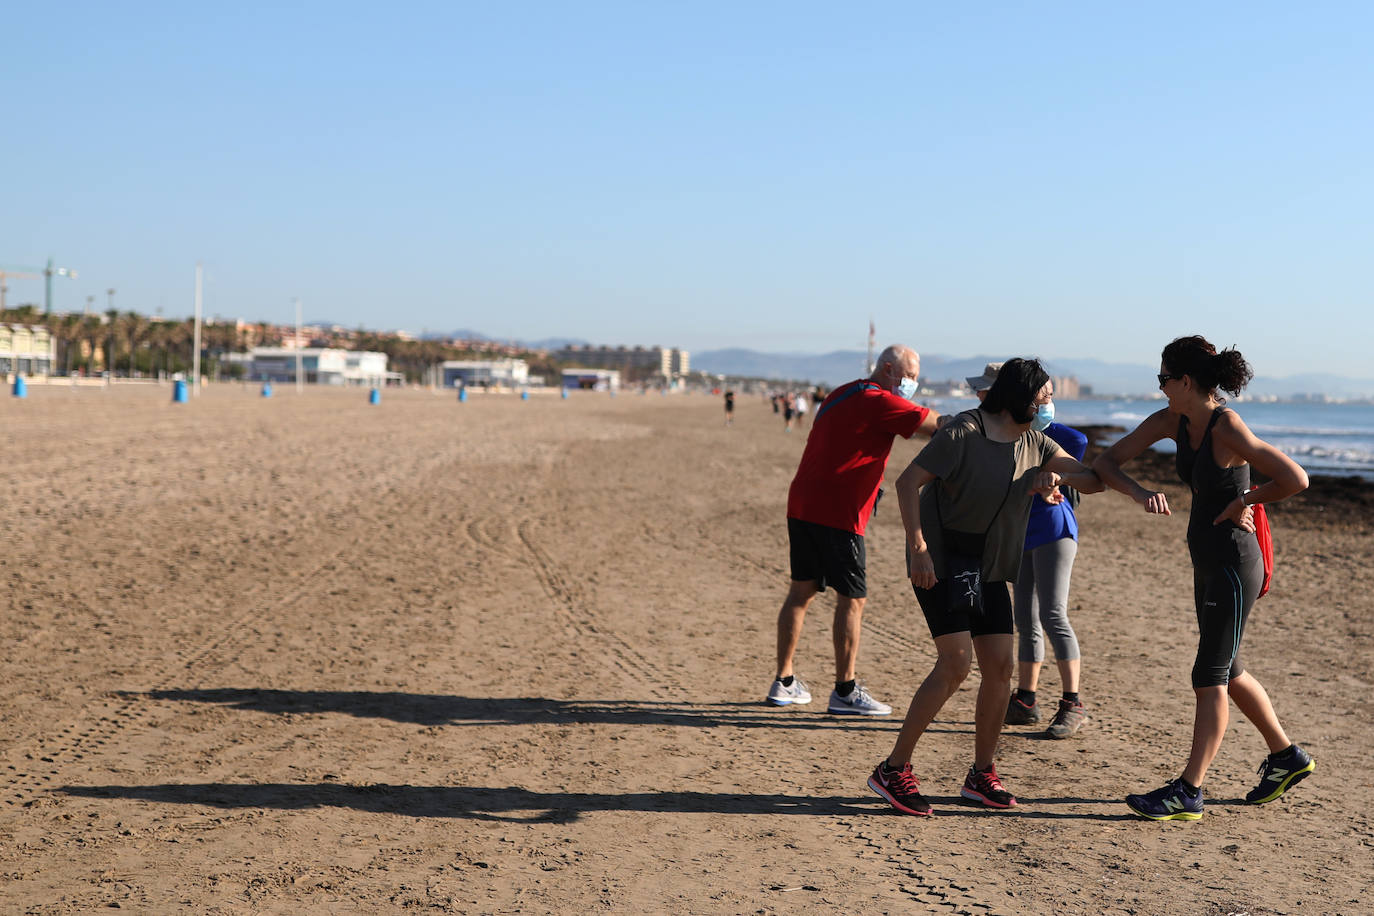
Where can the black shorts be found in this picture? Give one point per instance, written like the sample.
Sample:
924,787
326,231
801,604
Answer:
829,556
1224,596
996,616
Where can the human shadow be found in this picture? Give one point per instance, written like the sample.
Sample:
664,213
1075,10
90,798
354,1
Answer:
448,710
517,804
512,803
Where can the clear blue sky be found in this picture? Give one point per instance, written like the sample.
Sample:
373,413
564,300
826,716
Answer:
1063,180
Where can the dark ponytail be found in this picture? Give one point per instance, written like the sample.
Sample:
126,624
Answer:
1196,357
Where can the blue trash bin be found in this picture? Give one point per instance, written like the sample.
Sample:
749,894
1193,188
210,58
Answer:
462,395
179,395
21,387
375,396
267,389
524,395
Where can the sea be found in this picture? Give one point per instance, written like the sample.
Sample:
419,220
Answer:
1325,438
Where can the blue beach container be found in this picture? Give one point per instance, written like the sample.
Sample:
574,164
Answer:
21,387
375,396
267,389
462,395
179,392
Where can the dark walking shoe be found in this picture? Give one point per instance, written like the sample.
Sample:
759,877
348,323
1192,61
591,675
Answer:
986,787
901,789
1279,773
1067,720
1019,713
1170,803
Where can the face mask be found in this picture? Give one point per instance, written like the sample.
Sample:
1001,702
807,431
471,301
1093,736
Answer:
1044,416
906,388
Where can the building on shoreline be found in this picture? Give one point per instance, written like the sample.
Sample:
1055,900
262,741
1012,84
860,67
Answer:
319,365
591,379
27,349
485,373
642,362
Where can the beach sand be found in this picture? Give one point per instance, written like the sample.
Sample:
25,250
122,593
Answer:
308,655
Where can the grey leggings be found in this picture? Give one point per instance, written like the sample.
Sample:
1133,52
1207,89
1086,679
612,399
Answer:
1042,591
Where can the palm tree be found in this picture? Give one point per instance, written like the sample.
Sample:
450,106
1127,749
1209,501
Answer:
135,328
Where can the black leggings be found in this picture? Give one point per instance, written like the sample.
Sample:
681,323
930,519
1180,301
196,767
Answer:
1224,596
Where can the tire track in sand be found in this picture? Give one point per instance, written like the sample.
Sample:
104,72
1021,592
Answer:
577,613
49,757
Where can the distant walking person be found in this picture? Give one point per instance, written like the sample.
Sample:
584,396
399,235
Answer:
1215,452
729,408
802,407
833,494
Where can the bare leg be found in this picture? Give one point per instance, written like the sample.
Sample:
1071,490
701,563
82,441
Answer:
848,616
954,658
790,619
1068,673
995,665
1027,675
1253,702
1209,725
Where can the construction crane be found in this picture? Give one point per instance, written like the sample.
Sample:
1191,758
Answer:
48,273
4,287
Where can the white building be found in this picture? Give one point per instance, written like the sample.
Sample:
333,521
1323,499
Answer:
591,379
319,365
486,373
27,349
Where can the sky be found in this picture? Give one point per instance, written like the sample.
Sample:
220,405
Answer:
1070,180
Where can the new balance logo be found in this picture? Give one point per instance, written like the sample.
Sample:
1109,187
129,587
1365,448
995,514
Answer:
1277,775
1174,804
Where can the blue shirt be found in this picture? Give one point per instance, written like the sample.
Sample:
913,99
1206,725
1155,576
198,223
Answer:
1050,523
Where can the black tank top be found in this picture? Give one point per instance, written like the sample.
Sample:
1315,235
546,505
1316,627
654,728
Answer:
1214,488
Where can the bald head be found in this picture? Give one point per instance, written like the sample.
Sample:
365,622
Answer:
894,364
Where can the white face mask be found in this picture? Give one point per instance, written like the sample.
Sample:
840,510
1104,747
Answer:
906,388
1044,416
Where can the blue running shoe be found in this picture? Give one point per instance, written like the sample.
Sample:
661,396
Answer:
1171,803
1279,773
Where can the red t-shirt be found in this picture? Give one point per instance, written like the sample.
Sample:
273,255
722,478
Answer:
842,466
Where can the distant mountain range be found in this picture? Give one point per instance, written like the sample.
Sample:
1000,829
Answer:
1105,378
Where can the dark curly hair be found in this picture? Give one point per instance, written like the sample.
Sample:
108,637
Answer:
1196,357
1018,382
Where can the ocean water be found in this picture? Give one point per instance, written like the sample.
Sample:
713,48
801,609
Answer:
1323,438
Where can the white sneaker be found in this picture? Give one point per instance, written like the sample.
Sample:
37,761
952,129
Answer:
859,703
796,695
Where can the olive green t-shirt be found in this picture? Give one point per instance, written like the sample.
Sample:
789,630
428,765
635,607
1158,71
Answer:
983,486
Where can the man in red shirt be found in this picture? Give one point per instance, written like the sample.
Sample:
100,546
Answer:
828,507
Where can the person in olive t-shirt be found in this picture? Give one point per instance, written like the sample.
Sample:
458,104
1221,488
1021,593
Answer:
976,479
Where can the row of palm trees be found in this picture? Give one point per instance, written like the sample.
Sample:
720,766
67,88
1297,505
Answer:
129,343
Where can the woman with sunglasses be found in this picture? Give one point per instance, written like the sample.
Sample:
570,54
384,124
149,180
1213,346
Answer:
1215,452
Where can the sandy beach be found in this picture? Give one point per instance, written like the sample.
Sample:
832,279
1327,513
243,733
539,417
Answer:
310,655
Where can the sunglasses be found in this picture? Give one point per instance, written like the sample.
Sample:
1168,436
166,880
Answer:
1164,377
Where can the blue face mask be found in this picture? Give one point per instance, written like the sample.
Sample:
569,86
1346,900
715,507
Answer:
1044,416
906,388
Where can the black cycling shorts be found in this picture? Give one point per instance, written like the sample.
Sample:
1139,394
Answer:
1224,596
829,556
996,616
